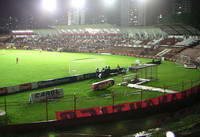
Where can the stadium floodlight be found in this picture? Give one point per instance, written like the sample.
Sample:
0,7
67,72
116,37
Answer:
49,5
109,2
143,1
78,4
170,134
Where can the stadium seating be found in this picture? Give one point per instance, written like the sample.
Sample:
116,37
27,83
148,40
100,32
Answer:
187,42
168,41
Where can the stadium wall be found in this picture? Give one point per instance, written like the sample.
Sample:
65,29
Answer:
47,83
142,56
168,103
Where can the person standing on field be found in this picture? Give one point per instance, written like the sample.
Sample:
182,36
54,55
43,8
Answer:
17,60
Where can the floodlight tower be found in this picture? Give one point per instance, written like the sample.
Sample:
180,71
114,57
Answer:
109,2
78,6
170,134
110,11
49,5
142,12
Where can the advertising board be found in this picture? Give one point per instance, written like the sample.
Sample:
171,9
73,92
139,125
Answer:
49,95
103,84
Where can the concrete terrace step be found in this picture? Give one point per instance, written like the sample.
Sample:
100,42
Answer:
151,88
162,53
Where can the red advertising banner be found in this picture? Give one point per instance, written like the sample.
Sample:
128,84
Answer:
134,106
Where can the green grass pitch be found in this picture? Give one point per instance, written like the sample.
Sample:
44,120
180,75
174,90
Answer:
36,66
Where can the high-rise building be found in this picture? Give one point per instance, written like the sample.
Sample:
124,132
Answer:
140,12
124,16
76,17
181,6
132,13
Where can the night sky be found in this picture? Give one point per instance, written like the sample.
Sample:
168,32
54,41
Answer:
27,8
21,8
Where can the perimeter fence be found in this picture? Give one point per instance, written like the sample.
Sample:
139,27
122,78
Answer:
22,111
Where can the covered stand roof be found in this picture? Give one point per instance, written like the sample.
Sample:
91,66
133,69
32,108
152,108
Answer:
179,29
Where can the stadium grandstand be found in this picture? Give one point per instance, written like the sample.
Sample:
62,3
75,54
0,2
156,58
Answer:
169,41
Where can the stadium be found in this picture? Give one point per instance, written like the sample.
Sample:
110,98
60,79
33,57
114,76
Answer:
48,73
